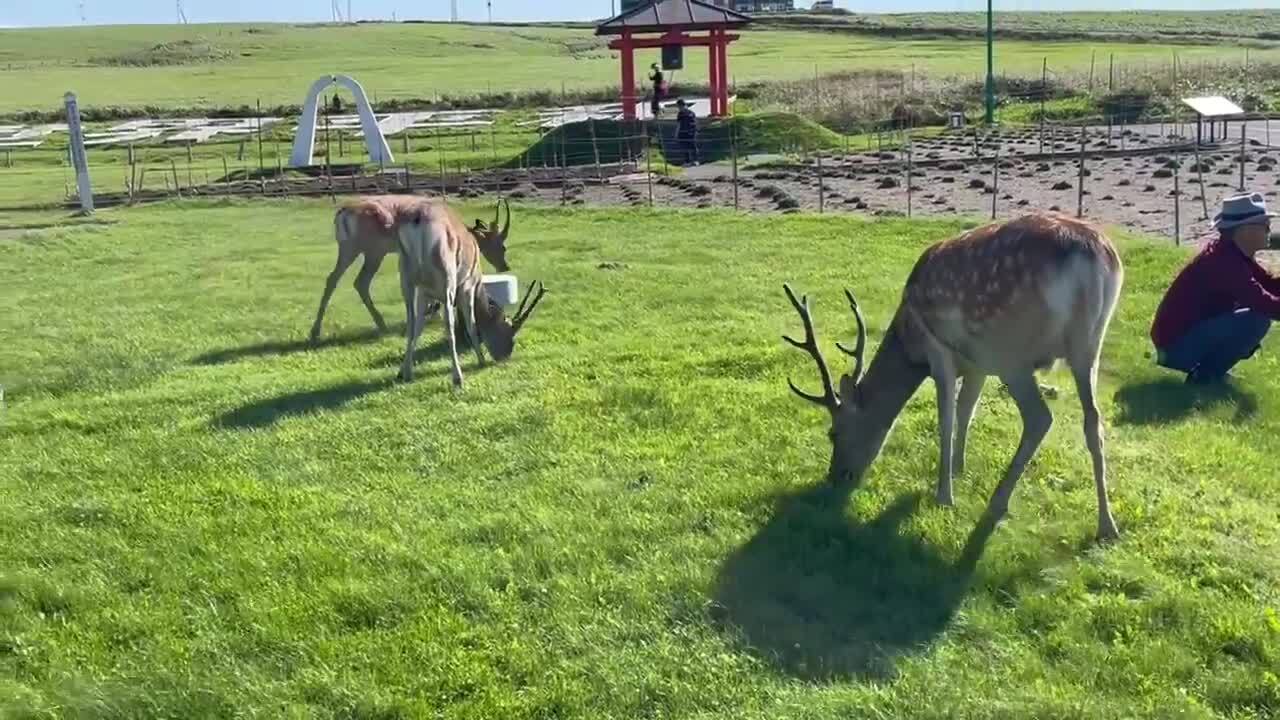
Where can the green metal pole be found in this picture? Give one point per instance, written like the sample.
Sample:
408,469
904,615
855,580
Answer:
991,78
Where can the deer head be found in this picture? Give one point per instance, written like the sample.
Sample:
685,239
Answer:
499,333
862,413
491,240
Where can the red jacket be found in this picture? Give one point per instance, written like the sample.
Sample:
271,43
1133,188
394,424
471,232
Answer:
1220,279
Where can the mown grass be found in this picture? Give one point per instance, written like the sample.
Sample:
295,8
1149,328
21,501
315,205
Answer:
221,66
1258,23
200,516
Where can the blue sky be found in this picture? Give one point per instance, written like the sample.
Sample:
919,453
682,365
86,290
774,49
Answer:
65,12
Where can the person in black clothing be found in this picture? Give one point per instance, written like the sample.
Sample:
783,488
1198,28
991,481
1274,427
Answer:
656,78
687,132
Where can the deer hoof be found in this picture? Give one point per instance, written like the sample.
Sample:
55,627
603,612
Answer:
1107,533
946,499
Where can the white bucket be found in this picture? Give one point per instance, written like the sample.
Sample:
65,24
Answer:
502,289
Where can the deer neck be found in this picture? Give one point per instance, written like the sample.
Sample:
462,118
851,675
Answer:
891,379
486,312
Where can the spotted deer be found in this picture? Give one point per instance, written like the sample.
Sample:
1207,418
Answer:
440,264
1004,299
360,229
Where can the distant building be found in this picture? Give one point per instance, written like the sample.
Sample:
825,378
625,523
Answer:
762,6
821,5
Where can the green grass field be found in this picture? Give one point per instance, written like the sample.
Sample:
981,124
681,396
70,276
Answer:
201,517
1137,24
217,66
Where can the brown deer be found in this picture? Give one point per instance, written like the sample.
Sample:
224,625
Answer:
440,263
360,231
1004,299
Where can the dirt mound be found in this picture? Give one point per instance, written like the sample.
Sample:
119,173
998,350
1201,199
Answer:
180,52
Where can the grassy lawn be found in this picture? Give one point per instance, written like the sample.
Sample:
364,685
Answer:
200,517
1229,23
230,65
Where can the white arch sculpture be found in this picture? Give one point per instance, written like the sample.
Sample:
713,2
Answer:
305,140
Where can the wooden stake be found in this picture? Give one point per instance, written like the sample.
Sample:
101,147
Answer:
733,152
444,188
1080,191
258,122
648,163
995,181
1242,154
1204,201
595,149
822,188
1044,90
1177,201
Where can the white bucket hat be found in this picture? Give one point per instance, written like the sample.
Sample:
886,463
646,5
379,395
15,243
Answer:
1237,210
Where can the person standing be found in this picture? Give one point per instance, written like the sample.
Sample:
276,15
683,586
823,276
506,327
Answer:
1221,305
687,132
659,88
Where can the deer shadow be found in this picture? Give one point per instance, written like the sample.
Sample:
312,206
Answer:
265,413
429,352
1167,400
823,597
289,347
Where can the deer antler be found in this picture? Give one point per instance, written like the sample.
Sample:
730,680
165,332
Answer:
829,399
859,350
523,314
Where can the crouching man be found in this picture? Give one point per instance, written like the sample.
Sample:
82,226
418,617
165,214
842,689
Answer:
1222,303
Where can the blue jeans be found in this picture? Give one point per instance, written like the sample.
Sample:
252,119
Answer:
688,148
1214,346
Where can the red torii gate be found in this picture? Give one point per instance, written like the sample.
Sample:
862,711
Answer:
675,19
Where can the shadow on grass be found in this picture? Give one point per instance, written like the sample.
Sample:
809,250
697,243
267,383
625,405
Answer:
289,347
267,412
1167,400
824,598
428,352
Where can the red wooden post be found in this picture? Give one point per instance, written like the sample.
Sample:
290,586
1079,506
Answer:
628,77
713,59
724,74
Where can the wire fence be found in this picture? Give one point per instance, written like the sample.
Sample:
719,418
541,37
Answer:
1163,175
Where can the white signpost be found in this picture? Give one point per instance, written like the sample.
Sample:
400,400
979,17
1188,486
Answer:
78,158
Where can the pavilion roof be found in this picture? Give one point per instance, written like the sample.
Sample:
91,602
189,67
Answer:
665,15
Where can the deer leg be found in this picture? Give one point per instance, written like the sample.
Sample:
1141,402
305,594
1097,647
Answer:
1036,421
407,290
426,310
469,318
970,391
1086,382
372,261
944,378
344,261
450,317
